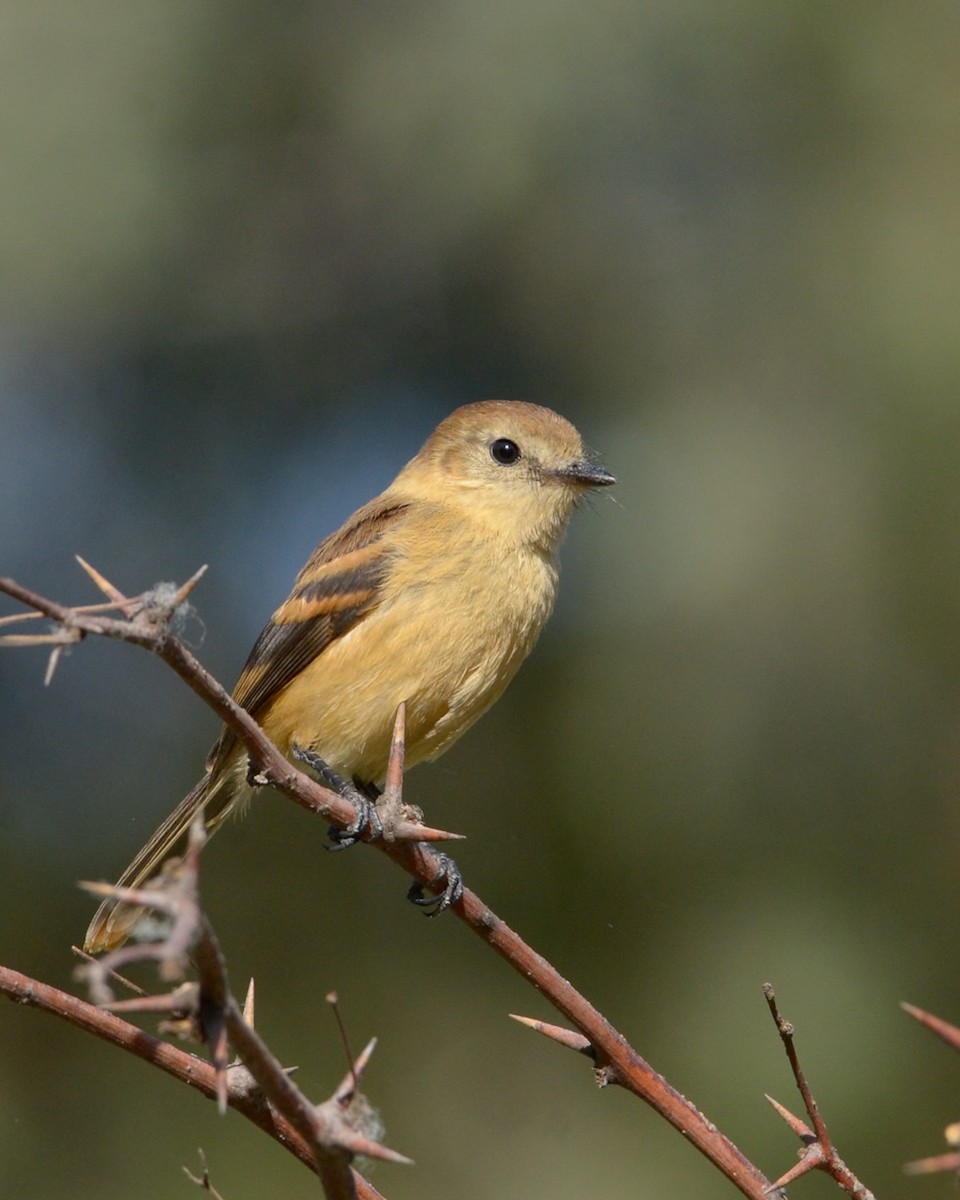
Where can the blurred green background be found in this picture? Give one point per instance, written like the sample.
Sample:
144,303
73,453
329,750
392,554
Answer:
250,254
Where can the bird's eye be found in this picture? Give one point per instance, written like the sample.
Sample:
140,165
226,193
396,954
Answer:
504,452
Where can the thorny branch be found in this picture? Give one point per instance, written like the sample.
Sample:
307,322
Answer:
328,1128
146,622
187,1068
820,1153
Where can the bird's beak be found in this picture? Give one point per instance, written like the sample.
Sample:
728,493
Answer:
586,474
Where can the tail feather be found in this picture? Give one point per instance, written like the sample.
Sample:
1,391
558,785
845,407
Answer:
114,920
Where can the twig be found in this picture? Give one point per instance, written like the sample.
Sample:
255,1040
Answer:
820,1153
121,979
203,1181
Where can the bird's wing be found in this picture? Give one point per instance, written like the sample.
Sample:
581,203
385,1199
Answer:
341,583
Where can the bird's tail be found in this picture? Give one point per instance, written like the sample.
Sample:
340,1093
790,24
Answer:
114,920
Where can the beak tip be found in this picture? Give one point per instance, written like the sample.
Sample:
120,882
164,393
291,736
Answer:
590,475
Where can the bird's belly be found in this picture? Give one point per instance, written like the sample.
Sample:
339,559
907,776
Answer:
447,663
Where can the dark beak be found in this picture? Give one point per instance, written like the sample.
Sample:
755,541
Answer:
587,474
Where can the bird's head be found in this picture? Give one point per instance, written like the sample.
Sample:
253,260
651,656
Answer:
517,468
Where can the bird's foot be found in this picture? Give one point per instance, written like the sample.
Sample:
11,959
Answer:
449,873
366,815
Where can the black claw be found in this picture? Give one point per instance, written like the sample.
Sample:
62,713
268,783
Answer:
433,906
365,814
367,818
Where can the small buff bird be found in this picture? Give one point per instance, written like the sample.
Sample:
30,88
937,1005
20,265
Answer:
433,594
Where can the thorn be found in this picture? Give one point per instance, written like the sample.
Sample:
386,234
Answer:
394,779
140,897
565,1037
95,887
812,1158
182,1000
60,637
363,1059
390,804
426,833
943,1029
931,1166
346,1137
248,1003
55,655
349,1086
357,1144
804,1132
186,588
16,618
218,1058
103,584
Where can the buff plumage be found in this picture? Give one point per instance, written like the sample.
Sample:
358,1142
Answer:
432,594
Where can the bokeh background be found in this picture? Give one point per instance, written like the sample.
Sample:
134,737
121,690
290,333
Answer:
249,255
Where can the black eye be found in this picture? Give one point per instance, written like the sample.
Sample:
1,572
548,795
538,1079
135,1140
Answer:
505,452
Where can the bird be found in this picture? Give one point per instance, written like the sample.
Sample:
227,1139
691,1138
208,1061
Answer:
432,594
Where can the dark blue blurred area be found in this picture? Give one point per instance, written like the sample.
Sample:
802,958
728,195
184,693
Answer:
249,256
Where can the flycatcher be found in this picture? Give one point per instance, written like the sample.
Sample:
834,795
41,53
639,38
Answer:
433,594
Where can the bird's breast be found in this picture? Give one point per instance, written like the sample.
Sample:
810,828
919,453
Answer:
446,638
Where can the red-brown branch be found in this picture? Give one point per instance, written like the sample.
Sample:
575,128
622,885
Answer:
617,1061
193,1071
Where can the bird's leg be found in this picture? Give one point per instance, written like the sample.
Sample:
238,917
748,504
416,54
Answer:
382,813
364,806
433,906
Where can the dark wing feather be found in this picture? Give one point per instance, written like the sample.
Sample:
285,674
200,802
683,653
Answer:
340,584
